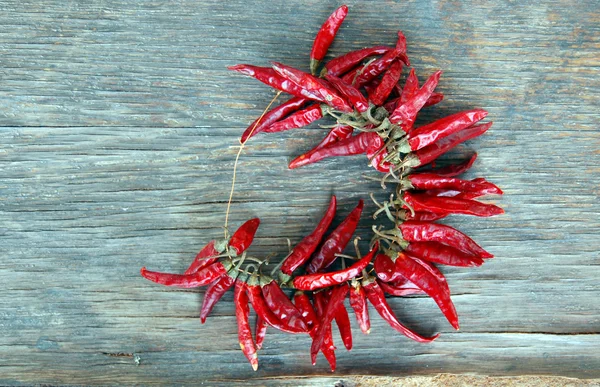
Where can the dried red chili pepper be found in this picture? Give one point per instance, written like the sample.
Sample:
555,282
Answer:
439,253
336,241
260,331
434,99
446,205
242,313
273,116
342,320
377,155
337,298
406,113
202,277
454,170
411,86
215,291
420,215
433,181
203,258
280,304
358,302
414,231
325,37
342,64
242,238
372,70
376,297
351,93
385,87
328,348
298,119
400,288
337,133
345,147
313,85
324,280
309,244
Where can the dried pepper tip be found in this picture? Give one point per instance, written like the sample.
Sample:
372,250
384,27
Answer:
243,237
325,37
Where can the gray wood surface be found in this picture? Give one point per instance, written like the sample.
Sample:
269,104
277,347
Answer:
118,127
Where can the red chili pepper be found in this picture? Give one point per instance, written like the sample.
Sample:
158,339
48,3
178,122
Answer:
434,99
389,80
445,205
411,86
376,155
280,304
243,237
342,320
430,133
439,253
377,299
401,288
324,280
215,291
203,259
372,85
273,116
305,308
342,64
405,114
456,169
423,216
298,119
260,331
200,278
433,181
384,267
358,302
325,37
372,70
270,77
337,298
431,152
351,93
308,245
336,241
328,348
337,133
313,85
414,231
242,313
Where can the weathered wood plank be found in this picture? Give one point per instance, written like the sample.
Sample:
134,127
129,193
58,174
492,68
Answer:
118,126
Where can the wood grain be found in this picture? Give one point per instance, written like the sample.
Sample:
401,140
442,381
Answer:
118,126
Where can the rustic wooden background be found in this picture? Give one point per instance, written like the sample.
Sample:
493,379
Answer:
118,126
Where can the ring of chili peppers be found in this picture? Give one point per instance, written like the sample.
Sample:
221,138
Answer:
375,116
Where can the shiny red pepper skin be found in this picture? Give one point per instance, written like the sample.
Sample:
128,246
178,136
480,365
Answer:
434,99
400,288
270,77
336,134
274,115
202,258
242,313
446,205
342,320
456,169
214,292
336,241
421,216
242,238
260,331
351,93
320,302
415,231
372,70
433,181
301,253
406,113
324,280
337,298
313,85
202,277
325,37
430,133
342,64
282,307
297,119
385,87
376,297
439,253
358,302
411,86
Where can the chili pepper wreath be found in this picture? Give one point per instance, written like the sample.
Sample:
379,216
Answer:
374,114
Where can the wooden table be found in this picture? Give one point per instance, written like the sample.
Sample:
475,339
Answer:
119,124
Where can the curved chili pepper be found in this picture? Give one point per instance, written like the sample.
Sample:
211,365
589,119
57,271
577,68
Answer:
203,259
202,277
431,152
376,297
215,291
337,133
314,86
323,280
411,86
405,288
260,331
270,77
308,245
415,231
336,241
385,87
242,238
280,305
325,37
445,205
262,309
354,96
342,64
433,181
272,117
337,298
443,254
242,313
342,320
358,302
428,134
298,119
406,113
454,170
